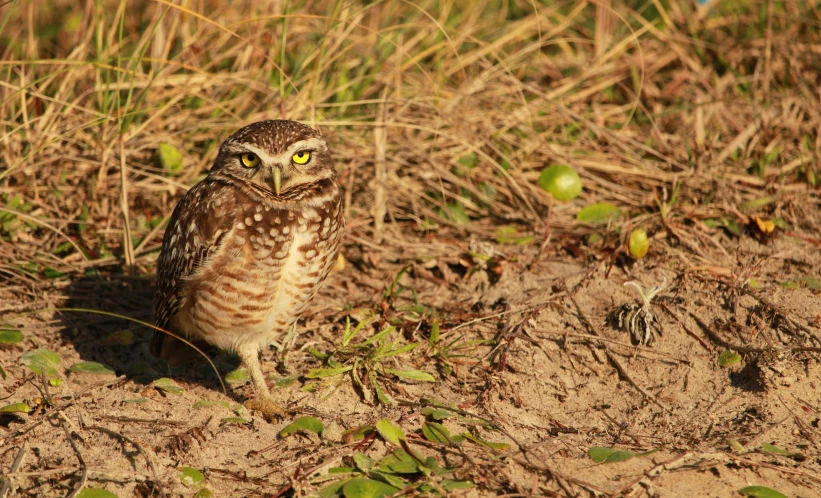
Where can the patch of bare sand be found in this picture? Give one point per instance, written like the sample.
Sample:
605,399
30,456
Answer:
552,384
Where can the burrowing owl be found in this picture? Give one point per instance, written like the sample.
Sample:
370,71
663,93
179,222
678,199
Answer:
248,247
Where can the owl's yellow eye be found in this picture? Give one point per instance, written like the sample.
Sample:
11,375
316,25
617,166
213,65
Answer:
302,157
250,160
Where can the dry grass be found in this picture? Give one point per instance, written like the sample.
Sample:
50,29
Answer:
441,116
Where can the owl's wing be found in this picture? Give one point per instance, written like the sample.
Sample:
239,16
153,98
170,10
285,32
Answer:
195,232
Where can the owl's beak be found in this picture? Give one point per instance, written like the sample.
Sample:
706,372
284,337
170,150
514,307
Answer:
277,174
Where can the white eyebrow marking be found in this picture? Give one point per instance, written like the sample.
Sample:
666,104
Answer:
313,143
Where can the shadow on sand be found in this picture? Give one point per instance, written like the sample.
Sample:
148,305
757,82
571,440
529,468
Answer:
121,344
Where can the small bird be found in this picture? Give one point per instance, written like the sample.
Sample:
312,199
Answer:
247,248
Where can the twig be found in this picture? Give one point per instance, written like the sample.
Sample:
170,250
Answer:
557,475
142,420
18,460
83,467
685,327
381,173
63,423
139,449
128,245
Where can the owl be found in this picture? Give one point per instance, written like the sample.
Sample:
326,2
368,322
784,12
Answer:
248,247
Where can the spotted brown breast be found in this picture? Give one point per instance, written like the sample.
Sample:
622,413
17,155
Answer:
238,265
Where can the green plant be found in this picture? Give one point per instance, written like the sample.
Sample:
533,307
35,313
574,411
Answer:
366,362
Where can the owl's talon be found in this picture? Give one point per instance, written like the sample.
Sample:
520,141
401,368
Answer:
266,406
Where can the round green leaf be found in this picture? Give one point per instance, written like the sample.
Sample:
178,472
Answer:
42,361
598,213
306,423
191,476
361,487
95,493
761,492
390,431
638,244
170,158
728,358
561,181
91,367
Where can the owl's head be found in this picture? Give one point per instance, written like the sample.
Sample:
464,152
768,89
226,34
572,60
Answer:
277,154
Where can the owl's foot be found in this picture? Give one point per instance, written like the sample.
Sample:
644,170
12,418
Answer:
266,406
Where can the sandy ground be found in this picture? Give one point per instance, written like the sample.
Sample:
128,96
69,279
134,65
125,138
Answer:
551,375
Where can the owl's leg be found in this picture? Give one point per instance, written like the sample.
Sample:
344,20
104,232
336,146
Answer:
263,402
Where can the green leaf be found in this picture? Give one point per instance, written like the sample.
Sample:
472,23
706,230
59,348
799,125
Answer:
399,462
390,431
91,367
238,376
10,336
332,490
769,448
170,158
728,358
363,462
42,361
208,404
356,433
468,160
167,385
380,393
135,400
756,204
388,479
234,420
319,373
400,350
95,493
279,381
55,382
305,423
437,433
491,445
449,485
612,455
191,476
736,446
761,492
812,283
360,487
412,374
203,493
437,413
2,372
456,213
508,234
599,213
319,355
561,181
15,408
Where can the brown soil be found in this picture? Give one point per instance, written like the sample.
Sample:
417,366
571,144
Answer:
554,379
